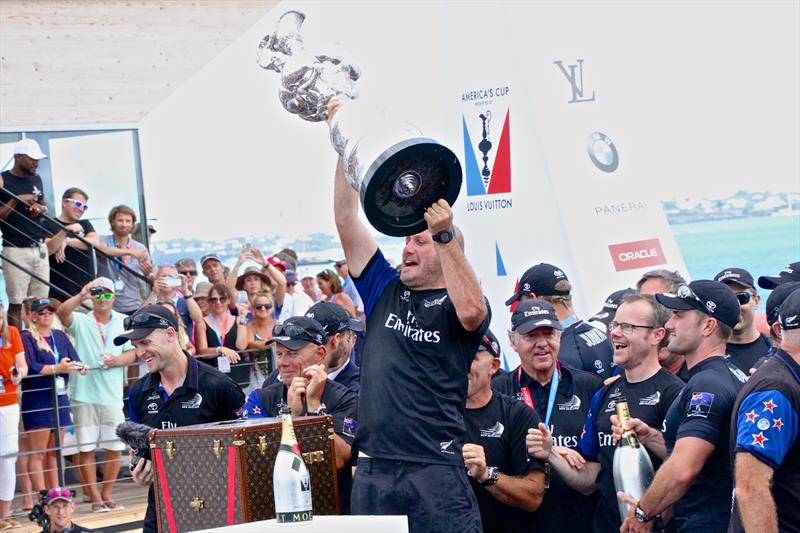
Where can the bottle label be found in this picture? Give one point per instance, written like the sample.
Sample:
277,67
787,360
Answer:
289,518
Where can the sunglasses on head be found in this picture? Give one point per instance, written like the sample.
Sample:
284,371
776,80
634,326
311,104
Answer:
263,306
78,204
686,293
290,330
146,320
188,272
218,299
743,297
104,296
59,492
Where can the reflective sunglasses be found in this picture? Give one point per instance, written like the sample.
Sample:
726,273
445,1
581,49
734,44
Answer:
625,327
146,320
78,204
263,306
289,330
104,296
218,299
743,297
59,492
188,272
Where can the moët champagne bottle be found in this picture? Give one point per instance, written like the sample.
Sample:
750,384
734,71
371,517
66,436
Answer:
290,479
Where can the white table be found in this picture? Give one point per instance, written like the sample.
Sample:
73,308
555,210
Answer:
326,524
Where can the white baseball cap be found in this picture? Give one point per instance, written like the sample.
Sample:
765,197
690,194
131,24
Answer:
30,148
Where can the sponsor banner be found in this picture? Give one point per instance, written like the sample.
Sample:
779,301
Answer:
636,254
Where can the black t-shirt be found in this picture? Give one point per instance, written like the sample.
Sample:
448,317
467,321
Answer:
19,229
587,348
207,395
413,370
745,356
766,424
703,410
648,401
76,271
500,427
563,509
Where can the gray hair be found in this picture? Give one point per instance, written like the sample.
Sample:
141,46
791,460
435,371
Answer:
672,278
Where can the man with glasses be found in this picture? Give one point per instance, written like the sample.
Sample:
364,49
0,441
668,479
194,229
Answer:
746,345
97,396
307,389
70,258
765,437
23,234
695,479
636,333
177,391
187,267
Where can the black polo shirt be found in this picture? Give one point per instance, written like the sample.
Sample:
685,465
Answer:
75,272
766,424
586,348
500,427
648,401
207,395
745,356
350,377
19,229
563,509
703,410
413,370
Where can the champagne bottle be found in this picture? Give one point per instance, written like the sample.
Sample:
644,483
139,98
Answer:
290,479
633,470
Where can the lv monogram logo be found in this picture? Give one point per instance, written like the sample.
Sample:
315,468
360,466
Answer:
574,75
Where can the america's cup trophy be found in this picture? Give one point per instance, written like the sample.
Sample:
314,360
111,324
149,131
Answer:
397,171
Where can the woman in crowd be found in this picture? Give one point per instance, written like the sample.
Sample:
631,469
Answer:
51,358
331,287
223,335
13,369
259,331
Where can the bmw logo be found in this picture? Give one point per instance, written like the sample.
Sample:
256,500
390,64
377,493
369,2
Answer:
602,152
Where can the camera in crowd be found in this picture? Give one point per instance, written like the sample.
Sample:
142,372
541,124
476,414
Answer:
37,513
95,291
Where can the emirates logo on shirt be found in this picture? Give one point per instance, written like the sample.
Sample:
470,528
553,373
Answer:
410,328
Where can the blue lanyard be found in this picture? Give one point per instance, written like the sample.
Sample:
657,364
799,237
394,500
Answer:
56,355
215,329
567,322
551,399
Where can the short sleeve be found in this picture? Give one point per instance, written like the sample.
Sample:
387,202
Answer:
707,407
589,445
252,406
766,426
373,280
522,419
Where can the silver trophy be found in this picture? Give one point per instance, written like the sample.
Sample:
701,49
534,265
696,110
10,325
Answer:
397,172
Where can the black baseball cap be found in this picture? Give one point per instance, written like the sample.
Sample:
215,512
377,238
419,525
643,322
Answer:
609,310
539,280
144,321
711,297
298,331
789,273
489,344
739,276
789,314
42,303
533,314
333,318
776,298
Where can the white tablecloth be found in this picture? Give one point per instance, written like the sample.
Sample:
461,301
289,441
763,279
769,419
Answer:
326,524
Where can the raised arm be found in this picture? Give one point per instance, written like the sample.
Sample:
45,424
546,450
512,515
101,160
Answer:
65,310
357,241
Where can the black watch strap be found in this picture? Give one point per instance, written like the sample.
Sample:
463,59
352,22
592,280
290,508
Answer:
444,236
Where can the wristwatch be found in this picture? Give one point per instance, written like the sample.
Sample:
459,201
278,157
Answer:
444,236
641,516
321,410
491,479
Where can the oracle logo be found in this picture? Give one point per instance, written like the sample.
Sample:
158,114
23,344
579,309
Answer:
636,254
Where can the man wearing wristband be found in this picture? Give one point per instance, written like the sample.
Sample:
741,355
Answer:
306,389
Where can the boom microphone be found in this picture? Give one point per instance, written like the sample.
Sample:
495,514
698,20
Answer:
136,436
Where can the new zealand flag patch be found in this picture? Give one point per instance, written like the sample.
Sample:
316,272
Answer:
350,426
700,404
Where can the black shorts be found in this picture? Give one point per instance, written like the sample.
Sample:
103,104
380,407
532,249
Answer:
436,498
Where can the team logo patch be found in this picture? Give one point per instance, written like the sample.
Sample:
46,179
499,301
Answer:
495,432
435,301
653,399
763,424
350,426
700,404
445,447
406,296
573,404
194,403
152,408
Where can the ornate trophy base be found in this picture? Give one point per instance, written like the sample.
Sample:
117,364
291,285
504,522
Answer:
406,179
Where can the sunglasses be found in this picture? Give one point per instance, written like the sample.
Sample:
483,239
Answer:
59,492
78,204
686,293
218,299
142,320
188,272
263,306
104,296
44,312
743,297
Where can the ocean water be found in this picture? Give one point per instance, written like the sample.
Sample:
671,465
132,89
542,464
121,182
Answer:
761,245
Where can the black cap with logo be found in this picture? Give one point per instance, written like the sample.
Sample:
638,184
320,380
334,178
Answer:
146,320
333,318
711,297
789,273
789,314
489,344
42,303
609,310
776,298
739,276
540,280
533,314
298,331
